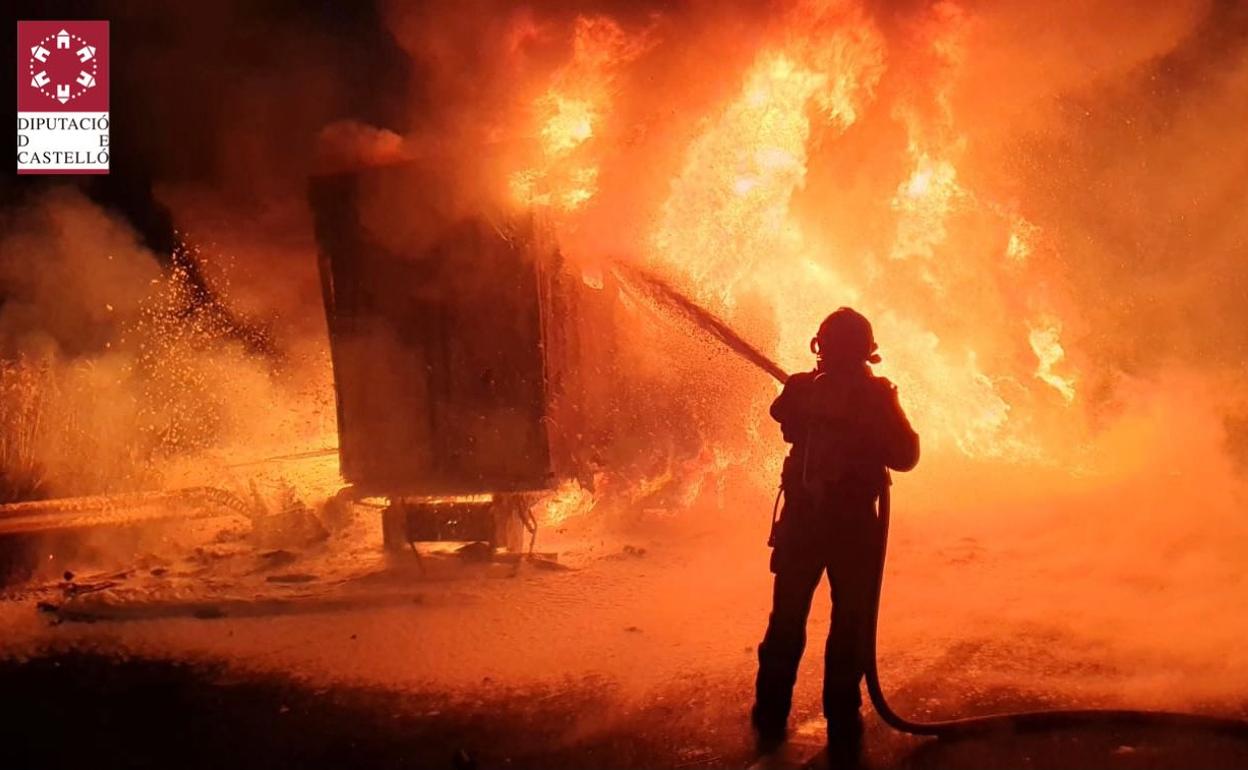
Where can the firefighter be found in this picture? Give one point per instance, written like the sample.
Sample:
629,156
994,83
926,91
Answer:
847,429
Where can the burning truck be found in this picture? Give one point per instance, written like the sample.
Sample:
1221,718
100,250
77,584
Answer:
457,359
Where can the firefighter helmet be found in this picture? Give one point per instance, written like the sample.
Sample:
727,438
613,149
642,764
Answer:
845,335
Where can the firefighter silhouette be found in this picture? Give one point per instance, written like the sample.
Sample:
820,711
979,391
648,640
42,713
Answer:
847,429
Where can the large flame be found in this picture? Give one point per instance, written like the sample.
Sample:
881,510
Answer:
731,231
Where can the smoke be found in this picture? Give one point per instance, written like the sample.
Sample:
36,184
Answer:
112,373
124,373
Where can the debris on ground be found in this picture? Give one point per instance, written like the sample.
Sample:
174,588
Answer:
629,552
293,577
275,559
476,552
71,590
548,562
284,519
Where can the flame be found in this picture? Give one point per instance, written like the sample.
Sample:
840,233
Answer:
728,211
924,202
1045,339
734,227
1019,246
567,115
568,501
569,123
729,226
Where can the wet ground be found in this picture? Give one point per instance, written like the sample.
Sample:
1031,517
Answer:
102,710
97,710
631,648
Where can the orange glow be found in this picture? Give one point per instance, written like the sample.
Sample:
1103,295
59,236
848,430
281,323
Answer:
455,499
736,226
562,176
569,501
1045,339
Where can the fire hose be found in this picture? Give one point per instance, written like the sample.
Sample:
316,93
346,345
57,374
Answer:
1020,720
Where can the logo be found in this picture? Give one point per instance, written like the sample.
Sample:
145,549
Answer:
62,97
52,54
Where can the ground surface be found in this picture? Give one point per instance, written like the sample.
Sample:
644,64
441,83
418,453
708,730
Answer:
87,710
635,649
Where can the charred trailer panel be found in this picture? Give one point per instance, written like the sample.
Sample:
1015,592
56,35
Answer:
436,327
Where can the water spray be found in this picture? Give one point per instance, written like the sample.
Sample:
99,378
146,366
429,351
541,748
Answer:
657,290
649,286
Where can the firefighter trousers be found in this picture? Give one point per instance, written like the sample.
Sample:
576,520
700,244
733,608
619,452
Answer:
851,562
